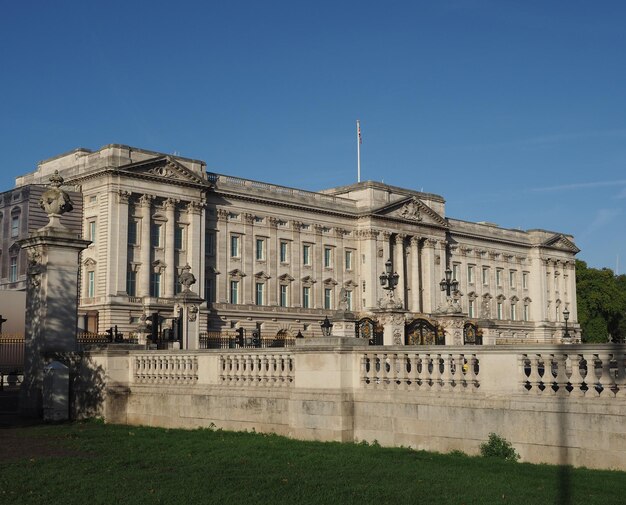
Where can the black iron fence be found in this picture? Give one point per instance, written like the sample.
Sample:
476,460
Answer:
242,340
11,358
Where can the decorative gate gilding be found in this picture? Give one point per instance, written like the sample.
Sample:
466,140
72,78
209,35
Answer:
423,332
472,335
369,329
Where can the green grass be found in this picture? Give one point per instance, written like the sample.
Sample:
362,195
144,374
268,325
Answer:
92,463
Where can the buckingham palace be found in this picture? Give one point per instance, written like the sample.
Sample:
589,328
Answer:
279,259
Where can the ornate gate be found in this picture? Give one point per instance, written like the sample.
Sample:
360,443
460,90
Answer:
423,332
369,329
472,335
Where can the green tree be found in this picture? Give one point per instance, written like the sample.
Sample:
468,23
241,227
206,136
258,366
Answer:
601,299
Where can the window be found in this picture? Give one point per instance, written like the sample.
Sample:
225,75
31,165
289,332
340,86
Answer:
512,278
525,280
91,231
91,284
15,226
328,257
13,269
470,274
132,232
328,298
284,295
155,235
260,249
208,289
155,284
306,254
485,275
234,246
179,238
284,257
210,243
499,310
131,283
526,314
306,297
499,277
513,312
234,291
455,272
260,293
348,260
471,312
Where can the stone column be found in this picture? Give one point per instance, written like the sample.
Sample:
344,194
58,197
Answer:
118,258
195,240
222,239
393,324
318,266
273,262
247,259
170,263
571,292
415,277
145,253
370,271
429,273
296,262
398,266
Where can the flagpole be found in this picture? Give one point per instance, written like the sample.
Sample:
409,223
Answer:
358,151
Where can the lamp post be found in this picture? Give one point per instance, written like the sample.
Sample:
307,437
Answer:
389,280
448,284
327,327
566,317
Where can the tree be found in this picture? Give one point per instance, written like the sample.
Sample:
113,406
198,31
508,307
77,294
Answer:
601,299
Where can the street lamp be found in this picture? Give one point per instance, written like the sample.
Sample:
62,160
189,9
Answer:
327,327
448,284
389,280
566,317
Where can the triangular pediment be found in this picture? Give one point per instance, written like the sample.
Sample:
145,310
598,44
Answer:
308,280
261,275
350,284
561,242
236,273
165,168
89,262
411,209
330,282
286,278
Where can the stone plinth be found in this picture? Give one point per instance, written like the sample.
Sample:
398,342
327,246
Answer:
189,305
51,305
393,321
344,325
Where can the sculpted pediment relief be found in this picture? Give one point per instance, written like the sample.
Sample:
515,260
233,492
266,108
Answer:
411,209
165,167
561,242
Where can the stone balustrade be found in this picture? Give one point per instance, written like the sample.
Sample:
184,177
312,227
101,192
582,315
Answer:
157,368
257,369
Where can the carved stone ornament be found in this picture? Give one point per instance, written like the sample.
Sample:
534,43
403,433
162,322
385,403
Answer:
389,301
186,278
54,201
397,337
343,300
193,313
411,210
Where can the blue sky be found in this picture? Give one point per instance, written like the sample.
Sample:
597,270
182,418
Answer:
514,111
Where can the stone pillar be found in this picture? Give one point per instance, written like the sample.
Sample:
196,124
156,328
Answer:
429,273
195,240
398,266
170,262
369,249
453,328
247,260
344,325
318,265
273,262
415,277
393,325
51,294
222,239
339,259
146,268
571,292
118,258
296,262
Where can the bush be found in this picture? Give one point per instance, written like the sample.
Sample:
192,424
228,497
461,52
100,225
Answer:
498,447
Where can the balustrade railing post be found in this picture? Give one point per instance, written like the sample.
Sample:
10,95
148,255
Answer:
621,374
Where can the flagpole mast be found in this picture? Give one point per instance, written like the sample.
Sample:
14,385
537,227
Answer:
358,151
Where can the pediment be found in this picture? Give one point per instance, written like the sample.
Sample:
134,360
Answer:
89,262
236,273
261,275
286,278
166,168
561,242
330,282
15,248
308,280
411,209
350,284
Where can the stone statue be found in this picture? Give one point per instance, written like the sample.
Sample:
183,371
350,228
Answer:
186,278
343,300
54,201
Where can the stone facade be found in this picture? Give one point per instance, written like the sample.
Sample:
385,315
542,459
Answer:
279,259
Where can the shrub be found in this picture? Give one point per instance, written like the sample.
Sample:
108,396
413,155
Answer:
498,447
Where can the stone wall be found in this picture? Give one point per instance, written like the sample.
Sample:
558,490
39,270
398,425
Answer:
556,404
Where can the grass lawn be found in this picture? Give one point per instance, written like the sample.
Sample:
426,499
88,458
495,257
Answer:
92,463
